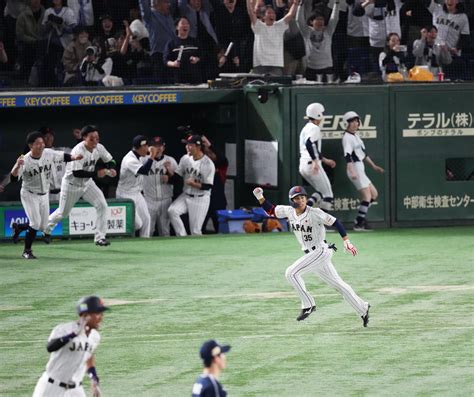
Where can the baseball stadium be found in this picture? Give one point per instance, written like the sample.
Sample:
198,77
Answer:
215,198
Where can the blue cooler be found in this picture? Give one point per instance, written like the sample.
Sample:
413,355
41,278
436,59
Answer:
232,221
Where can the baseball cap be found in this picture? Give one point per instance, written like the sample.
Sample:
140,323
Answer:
211,349
139,140
157,140
196,139
91,304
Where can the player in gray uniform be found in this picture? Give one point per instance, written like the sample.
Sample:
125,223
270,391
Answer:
157,190
308,225
78,182
197,171
72,346
355,155
35,169
311,158
135,165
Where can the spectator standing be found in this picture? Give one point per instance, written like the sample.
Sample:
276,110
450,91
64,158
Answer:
357,26
83,12
318,40
183,55
30,36
161,29
73,55
431,52
13,9
413,17
268,45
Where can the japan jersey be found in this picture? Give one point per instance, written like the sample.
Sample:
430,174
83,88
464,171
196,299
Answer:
353,146
37,173
201,170
450,26
68,364
130,180
308,227
87,163
208,386
313,132
59,169
153,187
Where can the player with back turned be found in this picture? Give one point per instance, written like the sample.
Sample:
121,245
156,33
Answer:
72,346
308,225
36,171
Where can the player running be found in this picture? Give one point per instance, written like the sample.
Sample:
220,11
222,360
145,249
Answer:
308,224
72,346
355,155
311,158
78,182
36,171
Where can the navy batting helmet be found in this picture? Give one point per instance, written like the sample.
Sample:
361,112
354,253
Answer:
296,191
91,304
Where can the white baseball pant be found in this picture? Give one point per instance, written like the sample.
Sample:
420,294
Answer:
70,195
319,262
142,216
362,180
46,389
159,217
319,181
36,208
196,207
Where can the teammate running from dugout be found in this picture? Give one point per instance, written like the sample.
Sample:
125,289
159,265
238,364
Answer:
72,346
308,224
36,169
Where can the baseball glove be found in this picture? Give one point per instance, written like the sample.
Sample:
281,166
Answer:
270,225
251,227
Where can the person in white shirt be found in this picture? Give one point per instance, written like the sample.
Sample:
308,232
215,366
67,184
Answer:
268,44
72,346
308,225
355,155
36,169
197,171
78,182
135,166
312,159
157,190
83,11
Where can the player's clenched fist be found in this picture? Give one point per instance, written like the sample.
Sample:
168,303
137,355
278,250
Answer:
258,193
349,247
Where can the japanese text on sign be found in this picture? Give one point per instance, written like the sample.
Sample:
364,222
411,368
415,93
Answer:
439,125
437,201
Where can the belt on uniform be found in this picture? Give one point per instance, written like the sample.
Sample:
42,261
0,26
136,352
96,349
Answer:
54,191
39,194
310,249
195,195
66,386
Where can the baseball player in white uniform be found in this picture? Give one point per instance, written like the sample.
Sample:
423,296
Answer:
35,169
135,165
355,155
78,182
308,225
311,158
72,346
197,171
157,190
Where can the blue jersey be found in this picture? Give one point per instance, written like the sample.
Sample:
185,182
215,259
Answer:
208,386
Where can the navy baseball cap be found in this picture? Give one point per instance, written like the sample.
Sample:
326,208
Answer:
211,349
139,140
157,140
196,139
91,304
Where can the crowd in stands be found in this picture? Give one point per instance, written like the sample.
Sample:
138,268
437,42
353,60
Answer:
50,43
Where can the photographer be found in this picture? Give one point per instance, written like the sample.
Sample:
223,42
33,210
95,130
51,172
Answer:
95,67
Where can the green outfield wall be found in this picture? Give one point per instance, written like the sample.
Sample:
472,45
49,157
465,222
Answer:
421,134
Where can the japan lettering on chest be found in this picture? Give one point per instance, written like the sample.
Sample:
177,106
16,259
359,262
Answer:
80,346
193,173
37,169
304,228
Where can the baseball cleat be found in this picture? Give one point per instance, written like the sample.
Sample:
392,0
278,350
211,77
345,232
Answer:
47,238
365,317
103,242
360,227
16,232
28,254
305,313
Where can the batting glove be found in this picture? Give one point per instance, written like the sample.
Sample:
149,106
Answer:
258,193
350,248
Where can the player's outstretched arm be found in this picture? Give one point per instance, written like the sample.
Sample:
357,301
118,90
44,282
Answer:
92,373
348,246
266,205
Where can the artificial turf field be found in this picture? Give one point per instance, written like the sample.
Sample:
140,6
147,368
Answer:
169,295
